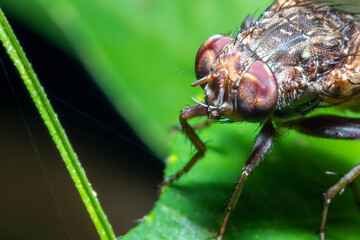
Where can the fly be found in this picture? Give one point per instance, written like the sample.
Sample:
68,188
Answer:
299,55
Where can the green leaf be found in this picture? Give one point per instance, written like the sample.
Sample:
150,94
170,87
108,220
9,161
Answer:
278,200
134,49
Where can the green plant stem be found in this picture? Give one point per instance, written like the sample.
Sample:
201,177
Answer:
57,133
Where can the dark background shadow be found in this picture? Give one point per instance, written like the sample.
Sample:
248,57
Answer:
124,176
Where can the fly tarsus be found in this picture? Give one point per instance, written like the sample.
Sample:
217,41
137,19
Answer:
329,194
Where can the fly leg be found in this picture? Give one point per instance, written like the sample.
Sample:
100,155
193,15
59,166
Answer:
195,127
333,191
196,110
202,125
261,147
334,127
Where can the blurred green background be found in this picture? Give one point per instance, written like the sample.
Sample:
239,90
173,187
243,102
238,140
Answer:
140,54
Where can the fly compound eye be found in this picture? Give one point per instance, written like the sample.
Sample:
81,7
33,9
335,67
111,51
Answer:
208,52
257,93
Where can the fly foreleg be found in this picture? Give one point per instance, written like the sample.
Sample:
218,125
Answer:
261,147
334,127
195,127
193,111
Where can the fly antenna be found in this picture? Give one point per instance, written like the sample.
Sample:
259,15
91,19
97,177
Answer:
203,80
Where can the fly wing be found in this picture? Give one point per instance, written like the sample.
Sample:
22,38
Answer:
278,4
349,6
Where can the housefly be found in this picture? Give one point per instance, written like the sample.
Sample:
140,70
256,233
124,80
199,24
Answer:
298,56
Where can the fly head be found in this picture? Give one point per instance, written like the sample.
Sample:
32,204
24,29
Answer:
236,83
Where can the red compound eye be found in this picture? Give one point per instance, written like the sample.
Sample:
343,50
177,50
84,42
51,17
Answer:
257,93
208,52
